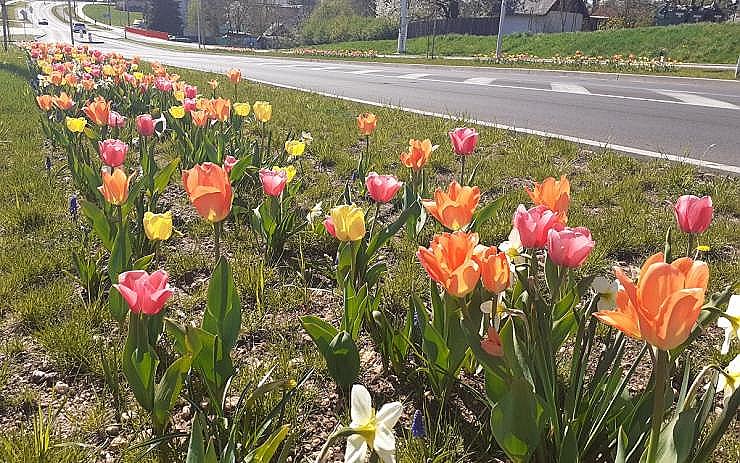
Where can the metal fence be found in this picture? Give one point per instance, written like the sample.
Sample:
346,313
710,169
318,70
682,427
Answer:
470,26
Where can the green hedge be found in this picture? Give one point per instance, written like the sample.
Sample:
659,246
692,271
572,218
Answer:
347,28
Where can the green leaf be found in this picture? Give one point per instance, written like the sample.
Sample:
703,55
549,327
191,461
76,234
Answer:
241,168
139,362
99,222
377,241
117,305
168,388
143,262
676,439
320,331
120,259
516,421
162,179
486,213
223,313
569,446
344,362
196,450
266,451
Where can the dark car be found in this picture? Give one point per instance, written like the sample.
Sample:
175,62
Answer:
79,28
43,22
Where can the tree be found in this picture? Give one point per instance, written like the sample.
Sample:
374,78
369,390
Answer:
164,15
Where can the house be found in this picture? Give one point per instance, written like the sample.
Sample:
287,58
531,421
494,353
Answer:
545,16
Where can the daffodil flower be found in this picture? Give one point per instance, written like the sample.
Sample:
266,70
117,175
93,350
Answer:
607,291
730,322
315,213
371,430
513,248
728,382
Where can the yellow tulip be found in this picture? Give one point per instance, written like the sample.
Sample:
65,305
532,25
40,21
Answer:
178,112
76,124
295,147
179,95
289,171
158,226
348,221
262,111
241,109
138,75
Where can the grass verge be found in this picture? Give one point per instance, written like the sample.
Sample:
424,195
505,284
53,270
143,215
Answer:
117,17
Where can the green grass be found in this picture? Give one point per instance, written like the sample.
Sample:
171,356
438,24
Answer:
118,17
622,200
700,43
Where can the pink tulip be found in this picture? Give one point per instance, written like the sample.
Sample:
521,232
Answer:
229,163
144,293
382,188
163,84
190,91
329,225
569,247
112,152
693,214
145,125
116,120
463,140
189,104
533,225
273,181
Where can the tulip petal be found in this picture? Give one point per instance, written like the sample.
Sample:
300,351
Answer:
658,283
623,321
678,316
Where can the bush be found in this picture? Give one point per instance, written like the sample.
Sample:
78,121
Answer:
336,21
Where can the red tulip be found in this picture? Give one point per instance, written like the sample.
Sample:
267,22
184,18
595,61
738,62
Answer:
491,344
112,152
190,91
273,181
693,214
229,163
145,125
382,188
189,104
144,293
463,140
329,225
569,247
533,225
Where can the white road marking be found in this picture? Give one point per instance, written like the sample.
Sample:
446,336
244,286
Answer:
324,68
583,141
697,100
365,71
479,80
413,76
568,88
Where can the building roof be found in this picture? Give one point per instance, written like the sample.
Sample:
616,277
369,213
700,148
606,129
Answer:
542,7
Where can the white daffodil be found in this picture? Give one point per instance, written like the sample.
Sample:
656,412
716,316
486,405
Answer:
730,322
730,380
372,430
513,248
306,138
314,213
607,291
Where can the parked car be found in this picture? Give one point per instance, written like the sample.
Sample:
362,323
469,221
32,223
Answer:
43,22
79,28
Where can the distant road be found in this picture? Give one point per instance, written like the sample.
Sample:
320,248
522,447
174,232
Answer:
697,120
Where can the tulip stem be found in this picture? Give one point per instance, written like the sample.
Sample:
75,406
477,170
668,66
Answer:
462,170
660,372
691,245
375,218
217,239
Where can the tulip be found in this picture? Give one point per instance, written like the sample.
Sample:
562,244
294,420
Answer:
190,91
553,194
145,294
729,380
200,118
366,122
189,104
569,247
145,125
234,75
382,188
98,111
454,208
491,344
533,225
494,269
112,152
213,84
693,214
178,112
242,109
115,187
295,147
45,102
210,191
374,430
463,140
273,182
663,307
116,120
262,111
347,222
449,261
229,163
158,227
730,322
290,171
329,226
220,109
418,154
179,95
63,101
76,124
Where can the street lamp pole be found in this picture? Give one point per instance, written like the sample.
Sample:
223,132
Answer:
71,28
6,29
200,37
128,23
110,18
500,34
403,26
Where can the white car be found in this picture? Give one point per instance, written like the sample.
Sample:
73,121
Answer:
43,22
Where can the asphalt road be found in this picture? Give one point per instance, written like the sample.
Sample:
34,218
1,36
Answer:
697,120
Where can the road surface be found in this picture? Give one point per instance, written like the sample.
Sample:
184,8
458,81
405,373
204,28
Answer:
696,120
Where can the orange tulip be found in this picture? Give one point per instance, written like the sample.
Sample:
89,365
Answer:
234,75
63,101
366,122
219,109
418,154
454,209
494,269
115,187
663,307
213,84
98,110
210,191
449,261
45,102
200,118
553,194
56,78
88,84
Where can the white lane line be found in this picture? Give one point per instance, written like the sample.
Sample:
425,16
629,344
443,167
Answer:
324,68
568,88
365,71
479,80
582,141
414,76
697,100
